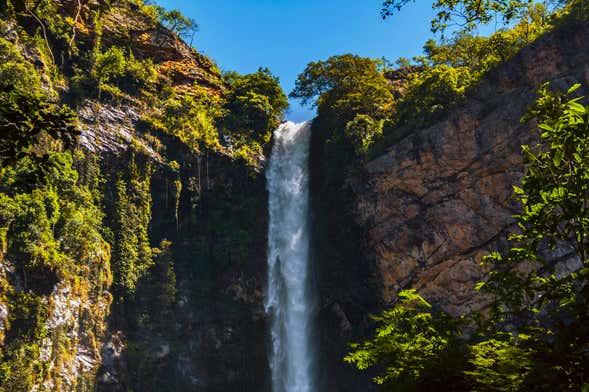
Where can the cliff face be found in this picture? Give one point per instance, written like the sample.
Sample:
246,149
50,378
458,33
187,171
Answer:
214,336
421,216
439,200
195,320
427,211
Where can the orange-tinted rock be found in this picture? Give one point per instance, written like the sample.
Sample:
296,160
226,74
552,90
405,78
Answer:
436,202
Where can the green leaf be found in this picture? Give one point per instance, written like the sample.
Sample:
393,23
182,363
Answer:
518,190
546,127
576,107
558,157
573,88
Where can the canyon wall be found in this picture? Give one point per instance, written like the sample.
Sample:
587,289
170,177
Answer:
421,215
195,320
427,210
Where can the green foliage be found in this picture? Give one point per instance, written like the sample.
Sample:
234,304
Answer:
117,72
191,119
352,94
468,14
19,369
132,254
551,304
364,105
413,344
171,19
345,84
178,23
432,92
139,75
27,115
24,118
51,235
554,197
108,65
363,130
498,365
448,71
246,113
253,104
15,70
160,287
480,54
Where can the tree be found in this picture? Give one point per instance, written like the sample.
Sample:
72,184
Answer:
537,334
343,88
178,23
415,346
551,304
27,114
350,82
108,65
433,91
467,14
363,130
254,103
353,99
24,118
132,253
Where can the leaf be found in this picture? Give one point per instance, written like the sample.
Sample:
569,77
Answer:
573,88
546,127
518,190
558,157
576,107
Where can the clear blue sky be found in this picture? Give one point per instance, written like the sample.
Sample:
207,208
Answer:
285,35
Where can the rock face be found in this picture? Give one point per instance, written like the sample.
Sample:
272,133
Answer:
440,199
426,211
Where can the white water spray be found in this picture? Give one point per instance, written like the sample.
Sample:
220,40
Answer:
288,299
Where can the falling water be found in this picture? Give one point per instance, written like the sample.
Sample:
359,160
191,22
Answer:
288,300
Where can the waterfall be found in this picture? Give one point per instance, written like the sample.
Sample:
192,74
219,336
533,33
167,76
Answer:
288,299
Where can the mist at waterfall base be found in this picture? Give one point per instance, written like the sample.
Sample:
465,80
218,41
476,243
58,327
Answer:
288,298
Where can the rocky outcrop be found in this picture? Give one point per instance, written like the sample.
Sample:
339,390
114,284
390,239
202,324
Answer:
424,213
178,62
128,26
436,202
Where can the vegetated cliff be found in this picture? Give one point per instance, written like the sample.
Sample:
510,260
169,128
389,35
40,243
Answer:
186,226
429,208
213,210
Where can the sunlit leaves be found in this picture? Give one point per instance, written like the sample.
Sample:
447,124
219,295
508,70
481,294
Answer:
554,219
467,14
498,365
411,341
254,104
535,335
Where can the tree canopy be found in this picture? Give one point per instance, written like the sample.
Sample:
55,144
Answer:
467,14
351,93
254,104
